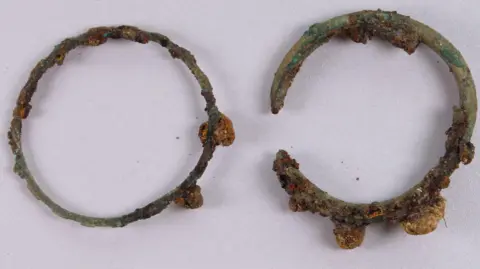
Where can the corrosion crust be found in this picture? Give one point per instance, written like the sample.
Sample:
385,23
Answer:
419,209
217,131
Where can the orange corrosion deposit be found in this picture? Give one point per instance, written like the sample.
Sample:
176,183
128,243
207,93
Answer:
224,133
349,238
192,198
428,221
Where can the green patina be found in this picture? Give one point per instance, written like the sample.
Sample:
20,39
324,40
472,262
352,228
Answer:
452,56
385,16
321,30
311,43
295,59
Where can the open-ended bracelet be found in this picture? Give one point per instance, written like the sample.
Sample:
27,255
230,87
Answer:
218,130
420,208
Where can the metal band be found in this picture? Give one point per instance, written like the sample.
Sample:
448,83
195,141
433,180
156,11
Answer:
217,131
420,208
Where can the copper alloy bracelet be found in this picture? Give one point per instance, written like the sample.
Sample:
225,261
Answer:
419,209
218,130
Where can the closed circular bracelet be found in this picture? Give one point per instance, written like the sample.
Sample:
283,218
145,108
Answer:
218,130
419,209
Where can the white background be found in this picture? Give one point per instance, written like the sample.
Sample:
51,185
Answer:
102,136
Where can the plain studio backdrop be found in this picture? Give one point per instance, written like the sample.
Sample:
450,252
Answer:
116,126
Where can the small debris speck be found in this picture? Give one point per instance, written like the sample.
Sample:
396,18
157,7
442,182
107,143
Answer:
357,178
177,137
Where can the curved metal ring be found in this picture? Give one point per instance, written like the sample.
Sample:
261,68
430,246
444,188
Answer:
418,209
218,130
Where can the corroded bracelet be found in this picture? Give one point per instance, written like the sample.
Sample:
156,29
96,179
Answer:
218,130
418,209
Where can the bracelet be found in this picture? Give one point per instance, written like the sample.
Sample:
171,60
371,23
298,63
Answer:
218,130
419,209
